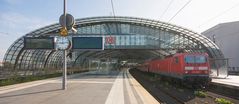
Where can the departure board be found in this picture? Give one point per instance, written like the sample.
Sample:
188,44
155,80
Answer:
39,43
87,43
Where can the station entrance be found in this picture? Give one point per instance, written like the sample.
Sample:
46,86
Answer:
125,39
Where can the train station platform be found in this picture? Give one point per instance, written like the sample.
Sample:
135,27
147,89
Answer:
230,81
84,88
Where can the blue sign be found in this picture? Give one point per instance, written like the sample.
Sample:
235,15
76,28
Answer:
88,43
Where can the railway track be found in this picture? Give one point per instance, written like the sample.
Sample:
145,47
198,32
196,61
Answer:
162,95
171,95
179,101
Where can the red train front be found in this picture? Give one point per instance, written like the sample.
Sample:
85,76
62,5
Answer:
188,67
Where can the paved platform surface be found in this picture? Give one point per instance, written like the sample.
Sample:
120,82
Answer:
86,88
231,80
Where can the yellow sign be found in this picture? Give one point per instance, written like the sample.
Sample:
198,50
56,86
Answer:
63,32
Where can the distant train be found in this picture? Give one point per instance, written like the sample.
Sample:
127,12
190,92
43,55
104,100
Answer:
233,71
193,68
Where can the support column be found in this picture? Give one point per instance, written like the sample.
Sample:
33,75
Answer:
64,72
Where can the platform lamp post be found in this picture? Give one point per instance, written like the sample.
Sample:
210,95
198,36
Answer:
67,22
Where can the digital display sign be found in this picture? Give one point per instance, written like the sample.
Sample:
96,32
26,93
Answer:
87,43
39,43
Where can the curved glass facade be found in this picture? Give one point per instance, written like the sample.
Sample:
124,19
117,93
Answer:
125,38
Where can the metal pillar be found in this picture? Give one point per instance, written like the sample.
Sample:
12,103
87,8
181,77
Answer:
64,12
64,72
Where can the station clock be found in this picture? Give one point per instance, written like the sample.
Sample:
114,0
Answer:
63,43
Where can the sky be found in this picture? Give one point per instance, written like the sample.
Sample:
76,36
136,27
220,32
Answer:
19,17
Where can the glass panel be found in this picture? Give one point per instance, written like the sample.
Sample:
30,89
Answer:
132,39
195,59
200,59
137,40
122,40
117,40
189,59
127,40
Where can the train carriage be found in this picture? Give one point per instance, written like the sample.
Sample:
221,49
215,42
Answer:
188,67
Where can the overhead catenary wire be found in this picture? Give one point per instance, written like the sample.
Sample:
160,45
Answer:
112,6
8,34
171,2
179,10
218,15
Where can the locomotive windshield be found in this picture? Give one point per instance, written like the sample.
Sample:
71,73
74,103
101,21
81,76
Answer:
189,59
200,59
195,59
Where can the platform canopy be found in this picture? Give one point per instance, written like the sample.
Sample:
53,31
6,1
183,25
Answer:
125,38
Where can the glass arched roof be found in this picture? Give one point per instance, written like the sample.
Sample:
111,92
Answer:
137,38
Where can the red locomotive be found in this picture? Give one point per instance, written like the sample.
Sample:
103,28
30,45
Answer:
188,67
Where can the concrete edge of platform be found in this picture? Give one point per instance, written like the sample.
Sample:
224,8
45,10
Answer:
224,89
145,96
225,85
19,86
